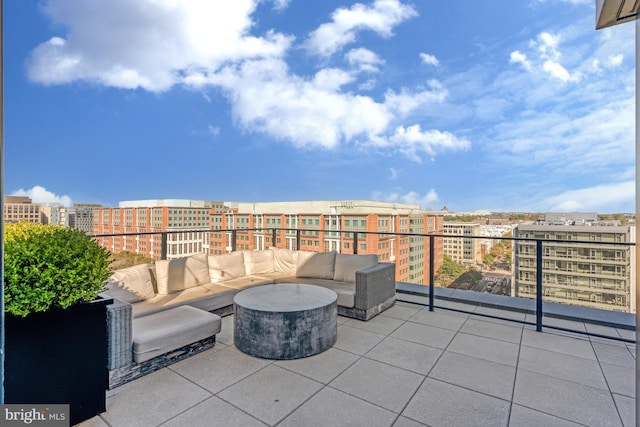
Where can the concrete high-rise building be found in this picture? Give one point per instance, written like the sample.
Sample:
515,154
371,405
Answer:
578,270
461,247
54,214
148,216
80,216
20,208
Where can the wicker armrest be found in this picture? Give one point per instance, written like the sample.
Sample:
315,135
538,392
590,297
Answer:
375,285
119,330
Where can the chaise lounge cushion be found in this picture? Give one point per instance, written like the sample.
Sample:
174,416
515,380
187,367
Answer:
131,284
171,329
182,273
226,266
347,265
316,265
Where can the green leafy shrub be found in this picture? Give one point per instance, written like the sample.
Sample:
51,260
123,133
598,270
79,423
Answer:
50,267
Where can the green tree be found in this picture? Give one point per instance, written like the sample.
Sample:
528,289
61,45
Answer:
488,259
449,271
507,256
497,250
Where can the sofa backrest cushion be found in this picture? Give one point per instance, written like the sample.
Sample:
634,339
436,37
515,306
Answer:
284,261
226,266
347,265
316,265
131,284
258,262
182,273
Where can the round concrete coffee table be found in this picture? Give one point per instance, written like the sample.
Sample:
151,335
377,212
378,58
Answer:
285,321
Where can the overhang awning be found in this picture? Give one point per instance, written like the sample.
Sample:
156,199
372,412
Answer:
613,12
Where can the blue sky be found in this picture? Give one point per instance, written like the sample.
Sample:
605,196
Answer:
497,105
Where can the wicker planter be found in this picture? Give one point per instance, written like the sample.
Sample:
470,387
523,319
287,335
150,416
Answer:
59,357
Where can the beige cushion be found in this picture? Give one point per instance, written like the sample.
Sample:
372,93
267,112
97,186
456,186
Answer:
226,266
318,265
131,284
182,273
171,329
284,260
347,265
346,291
258,262
207,297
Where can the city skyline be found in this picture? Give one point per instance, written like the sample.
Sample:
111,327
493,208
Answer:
434,104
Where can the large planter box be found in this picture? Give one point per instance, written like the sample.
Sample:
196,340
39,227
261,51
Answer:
59,357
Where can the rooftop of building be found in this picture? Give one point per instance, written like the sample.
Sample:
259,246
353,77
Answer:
406,367
596,227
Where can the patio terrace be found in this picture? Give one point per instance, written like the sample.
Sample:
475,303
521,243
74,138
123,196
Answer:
405,367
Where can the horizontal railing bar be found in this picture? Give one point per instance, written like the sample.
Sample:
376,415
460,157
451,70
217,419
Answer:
384,233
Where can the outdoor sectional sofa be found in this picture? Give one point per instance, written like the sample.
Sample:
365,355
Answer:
165,312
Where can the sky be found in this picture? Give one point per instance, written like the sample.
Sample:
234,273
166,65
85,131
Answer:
495,105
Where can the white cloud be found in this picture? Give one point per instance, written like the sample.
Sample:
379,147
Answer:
425,201
412,141
393,174
546,56
518,57
599,198
574,2
559,72
280,4
368,85
408,100
157,44
39,194
615,60
307,112
147,44
213,130
380,18
429,59
364,59
314,112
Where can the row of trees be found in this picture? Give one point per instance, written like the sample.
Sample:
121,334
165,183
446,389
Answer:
500,253
499,256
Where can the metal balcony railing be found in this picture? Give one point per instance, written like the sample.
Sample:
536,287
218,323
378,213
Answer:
348,241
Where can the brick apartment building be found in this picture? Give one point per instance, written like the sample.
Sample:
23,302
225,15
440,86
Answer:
187,220
324,225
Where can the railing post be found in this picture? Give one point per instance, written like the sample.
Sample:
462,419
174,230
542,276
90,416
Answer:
431,272
355,243
163,245
539,285
273,238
